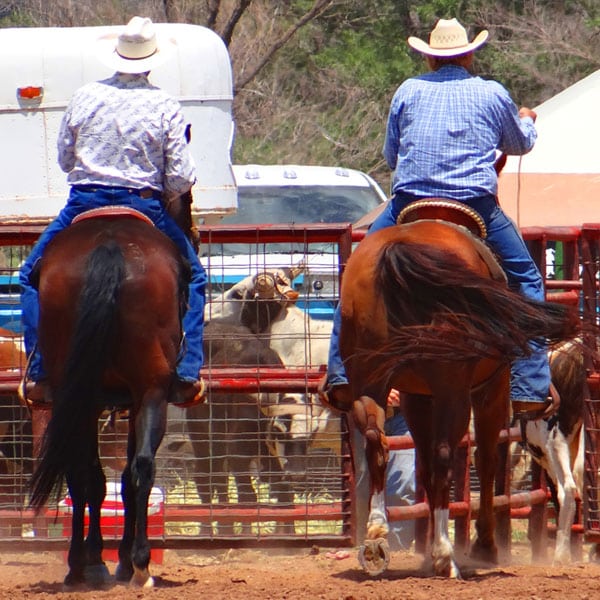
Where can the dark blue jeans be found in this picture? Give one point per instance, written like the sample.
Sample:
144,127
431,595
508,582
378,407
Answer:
530,376
85,198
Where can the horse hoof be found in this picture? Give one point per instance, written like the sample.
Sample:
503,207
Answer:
446,567
123,574
374,556
73,581
142,578
484,554
97,576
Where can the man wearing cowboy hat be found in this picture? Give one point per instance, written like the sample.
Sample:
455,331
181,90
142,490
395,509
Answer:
443,133
122,142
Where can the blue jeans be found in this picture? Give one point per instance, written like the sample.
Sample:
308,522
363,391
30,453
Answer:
87,197
530,375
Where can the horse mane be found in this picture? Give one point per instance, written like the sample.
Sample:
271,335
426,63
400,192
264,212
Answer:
439,309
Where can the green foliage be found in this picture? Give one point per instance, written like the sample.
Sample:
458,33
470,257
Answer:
14,17
367,59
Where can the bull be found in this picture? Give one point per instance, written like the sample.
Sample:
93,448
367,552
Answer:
300,425
228,434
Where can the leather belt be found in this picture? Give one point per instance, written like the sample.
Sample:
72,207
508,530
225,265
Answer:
143,193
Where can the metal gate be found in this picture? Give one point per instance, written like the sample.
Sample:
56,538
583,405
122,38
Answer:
221,476
199,500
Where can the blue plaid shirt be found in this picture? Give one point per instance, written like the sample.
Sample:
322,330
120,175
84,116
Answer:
443,130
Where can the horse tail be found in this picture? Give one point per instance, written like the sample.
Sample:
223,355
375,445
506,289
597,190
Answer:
75,403
440,309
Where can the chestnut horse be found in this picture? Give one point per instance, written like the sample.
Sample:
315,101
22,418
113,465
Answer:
112,294
421,313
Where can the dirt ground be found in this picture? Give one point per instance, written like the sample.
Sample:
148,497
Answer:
318,573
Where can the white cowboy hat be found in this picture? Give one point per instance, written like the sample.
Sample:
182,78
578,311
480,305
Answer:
448,38
136,49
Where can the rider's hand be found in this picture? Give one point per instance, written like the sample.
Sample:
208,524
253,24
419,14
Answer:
527,112
393,398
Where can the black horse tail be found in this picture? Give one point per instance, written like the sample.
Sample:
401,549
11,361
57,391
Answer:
75,404
439,309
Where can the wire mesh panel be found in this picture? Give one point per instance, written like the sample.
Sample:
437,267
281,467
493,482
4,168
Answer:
590,254
262,458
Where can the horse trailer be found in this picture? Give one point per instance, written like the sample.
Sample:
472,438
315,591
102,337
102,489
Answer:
40,68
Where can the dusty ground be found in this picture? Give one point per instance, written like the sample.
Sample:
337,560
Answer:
318,574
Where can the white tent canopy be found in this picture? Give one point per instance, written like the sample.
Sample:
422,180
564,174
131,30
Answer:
558,182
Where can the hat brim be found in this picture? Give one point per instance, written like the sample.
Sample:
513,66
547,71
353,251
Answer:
424,48
106,51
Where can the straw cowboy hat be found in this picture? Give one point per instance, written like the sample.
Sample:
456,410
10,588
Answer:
136,49
448,38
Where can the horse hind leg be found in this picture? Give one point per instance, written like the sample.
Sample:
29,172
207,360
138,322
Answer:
437,424
374,555
144,468
96,572
137,482
87,485
490,408
442,551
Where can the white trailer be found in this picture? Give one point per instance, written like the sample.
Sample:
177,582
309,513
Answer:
40,68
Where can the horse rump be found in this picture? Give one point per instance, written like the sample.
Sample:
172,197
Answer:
95,333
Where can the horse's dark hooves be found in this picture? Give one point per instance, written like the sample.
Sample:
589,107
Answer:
374,556
98,576
74,581
124,573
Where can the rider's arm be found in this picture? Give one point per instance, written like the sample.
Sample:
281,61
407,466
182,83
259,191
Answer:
518,131
180,171
66,143
392,134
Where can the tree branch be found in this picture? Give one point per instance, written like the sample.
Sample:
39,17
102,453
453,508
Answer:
236,15
318,8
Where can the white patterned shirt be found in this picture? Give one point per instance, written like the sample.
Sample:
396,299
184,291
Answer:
125,132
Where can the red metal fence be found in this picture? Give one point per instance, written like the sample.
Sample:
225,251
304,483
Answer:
320,513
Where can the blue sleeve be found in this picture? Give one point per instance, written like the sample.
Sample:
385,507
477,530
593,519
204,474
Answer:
392,133
518,135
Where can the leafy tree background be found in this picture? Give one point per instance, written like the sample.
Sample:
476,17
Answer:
313,78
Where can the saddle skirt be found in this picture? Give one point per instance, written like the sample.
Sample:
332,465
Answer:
459,215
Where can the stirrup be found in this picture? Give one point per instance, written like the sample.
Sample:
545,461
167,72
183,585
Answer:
197,398
40,398
532,411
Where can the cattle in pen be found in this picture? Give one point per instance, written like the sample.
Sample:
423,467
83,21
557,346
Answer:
228,434
265,303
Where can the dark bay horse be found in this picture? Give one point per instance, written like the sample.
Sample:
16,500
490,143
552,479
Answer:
421,313
112,293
